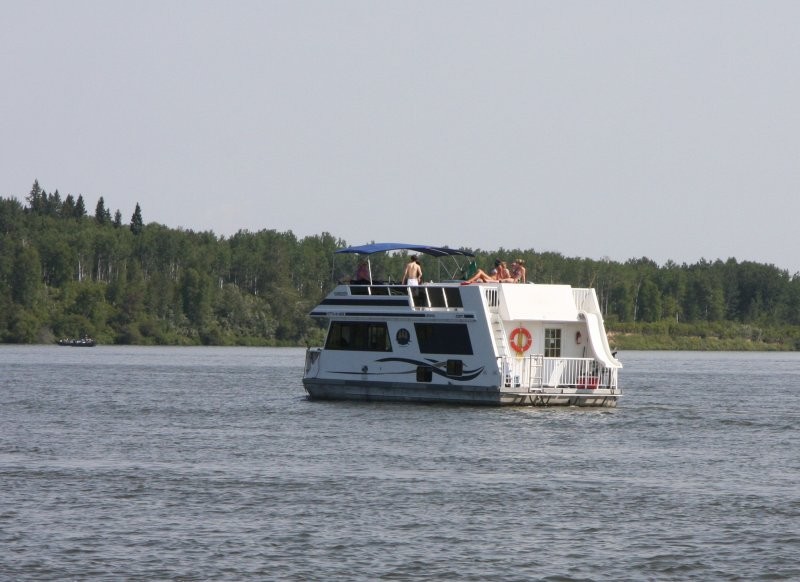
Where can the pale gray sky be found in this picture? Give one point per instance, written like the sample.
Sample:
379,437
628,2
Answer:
669,130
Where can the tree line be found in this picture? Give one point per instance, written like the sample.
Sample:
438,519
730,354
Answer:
66,272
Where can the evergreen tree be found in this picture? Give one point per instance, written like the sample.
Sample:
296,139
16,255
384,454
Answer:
35,198
80,207
53,204
136,220
68,208
117,219
101,215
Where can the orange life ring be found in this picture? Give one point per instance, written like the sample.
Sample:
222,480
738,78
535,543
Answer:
520,340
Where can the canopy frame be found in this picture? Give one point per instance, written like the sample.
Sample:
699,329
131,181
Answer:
438,252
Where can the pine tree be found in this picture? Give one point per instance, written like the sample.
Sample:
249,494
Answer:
80,207
68,208
53,204
136,220
101,215
117,219
35,202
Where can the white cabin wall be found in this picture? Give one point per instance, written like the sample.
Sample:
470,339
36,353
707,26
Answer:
575,350
569,348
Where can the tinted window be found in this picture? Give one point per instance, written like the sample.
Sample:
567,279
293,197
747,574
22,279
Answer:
453,295
358,336
443,338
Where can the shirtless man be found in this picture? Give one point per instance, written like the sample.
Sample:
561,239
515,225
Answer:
413,272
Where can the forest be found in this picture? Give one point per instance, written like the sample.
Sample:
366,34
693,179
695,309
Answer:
68,271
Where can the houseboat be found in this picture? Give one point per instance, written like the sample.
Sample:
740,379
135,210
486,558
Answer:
491,343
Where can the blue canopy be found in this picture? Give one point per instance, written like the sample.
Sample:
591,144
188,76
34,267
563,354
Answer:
425,249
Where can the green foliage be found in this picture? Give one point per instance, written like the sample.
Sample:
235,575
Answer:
25,276
63,273
23,326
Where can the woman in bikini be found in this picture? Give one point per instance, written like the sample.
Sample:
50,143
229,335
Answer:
500,274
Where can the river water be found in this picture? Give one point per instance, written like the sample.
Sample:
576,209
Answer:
209,463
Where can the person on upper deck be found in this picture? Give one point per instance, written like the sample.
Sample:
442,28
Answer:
413,273
518,271
500,274
362,273
503,274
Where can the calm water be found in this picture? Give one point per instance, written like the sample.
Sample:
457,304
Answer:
209,463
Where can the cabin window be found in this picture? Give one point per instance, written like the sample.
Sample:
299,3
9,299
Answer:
419,297
358,336
443,338
552,343
453,296
427,296
436,297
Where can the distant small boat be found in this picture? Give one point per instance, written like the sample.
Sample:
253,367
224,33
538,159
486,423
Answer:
84,342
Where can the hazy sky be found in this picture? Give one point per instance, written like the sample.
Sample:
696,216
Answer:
669,130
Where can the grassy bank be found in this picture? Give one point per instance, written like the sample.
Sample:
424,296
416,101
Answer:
726,336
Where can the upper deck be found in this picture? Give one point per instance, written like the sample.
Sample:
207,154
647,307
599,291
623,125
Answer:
511,300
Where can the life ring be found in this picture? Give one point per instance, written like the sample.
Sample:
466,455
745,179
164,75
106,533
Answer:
520,340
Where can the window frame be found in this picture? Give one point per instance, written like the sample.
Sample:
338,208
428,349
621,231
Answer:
552,342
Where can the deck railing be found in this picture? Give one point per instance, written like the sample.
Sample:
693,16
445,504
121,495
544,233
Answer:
421,296
536,372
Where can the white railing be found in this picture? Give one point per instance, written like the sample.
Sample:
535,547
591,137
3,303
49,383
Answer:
534,372
492,298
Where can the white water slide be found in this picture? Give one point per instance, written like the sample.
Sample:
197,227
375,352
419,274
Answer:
598,343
